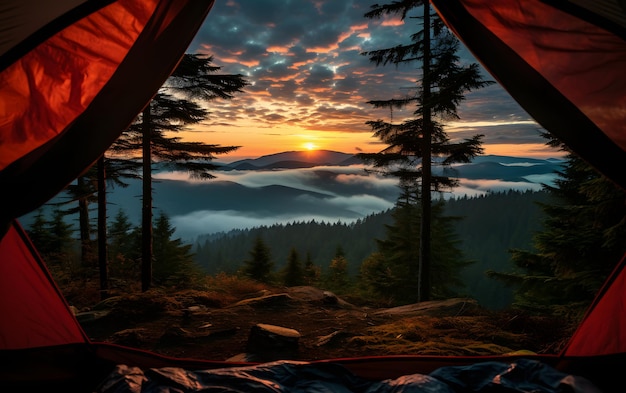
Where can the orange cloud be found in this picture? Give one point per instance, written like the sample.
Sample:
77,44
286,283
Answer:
392,22
278,49
321,49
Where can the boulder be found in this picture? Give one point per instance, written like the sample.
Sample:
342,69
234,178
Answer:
271,342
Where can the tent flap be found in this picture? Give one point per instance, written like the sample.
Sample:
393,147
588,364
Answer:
66,101
566,72
30,300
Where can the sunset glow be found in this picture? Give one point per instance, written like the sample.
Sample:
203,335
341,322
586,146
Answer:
311,92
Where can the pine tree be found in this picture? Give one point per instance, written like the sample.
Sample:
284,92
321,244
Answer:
400,248
83,192
337,277
259,266
123,256
39,233
173,109
378,278
582,239
55,243
61,235
61,256
392,274
174,265
418,143
447,255
312,272
293,273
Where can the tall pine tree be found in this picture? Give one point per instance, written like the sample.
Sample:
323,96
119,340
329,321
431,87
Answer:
418,143
175,107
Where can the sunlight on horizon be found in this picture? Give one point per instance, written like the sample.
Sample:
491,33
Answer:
255,141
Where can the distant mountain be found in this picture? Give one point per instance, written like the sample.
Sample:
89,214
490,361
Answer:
493,170
481,167
180,197
505,160
294,160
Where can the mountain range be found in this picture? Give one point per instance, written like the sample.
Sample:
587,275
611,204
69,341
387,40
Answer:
493,167
482,167
298,186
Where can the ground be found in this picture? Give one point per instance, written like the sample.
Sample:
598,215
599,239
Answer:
195,324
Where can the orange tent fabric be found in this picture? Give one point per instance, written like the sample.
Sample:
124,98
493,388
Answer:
33,309
66,98
563,62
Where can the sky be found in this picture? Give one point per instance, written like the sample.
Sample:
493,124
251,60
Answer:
309,84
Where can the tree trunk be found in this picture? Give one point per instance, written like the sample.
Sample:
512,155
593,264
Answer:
146,206
83,222
102,230
425,228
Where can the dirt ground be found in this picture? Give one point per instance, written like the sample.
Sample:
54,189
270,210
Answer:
191,325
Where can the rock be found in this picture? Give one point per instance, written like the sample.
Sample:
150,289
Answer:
196,309
90,316
438,308
331,339
131,337
270,342
319,296
329,298
280,300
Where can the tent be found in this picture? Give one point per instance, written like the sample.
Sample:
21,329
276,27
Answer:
65,65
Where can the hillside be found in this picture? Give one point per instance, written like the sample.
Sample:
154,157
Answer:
489,226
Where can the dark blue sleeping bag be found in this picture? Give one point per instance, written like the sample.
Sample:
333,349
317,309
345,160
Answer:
527,376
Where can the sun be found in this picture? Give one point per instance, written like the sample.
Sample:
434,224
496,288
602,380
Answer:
309,146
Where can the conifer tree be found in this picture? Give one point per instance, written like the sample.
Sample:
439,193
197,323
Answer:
583,238
390,272
418,143
338,278
122,247
259,266
293,274
177,105
61,237
83,191
173,261
39,233
55,243
312,272
377,278
59,249
399,251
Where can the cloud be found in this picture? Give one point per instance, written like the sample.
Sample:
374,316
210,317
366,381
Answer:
189,226
332,180
341,193
329,193
305,64
480,187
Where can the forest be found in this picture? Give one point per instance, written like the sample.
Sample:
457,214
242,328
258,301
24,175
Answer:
488,227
